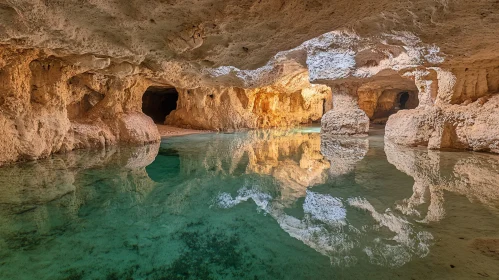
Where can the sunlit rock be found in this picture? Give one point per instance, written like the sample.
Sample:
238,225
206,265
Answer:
290,102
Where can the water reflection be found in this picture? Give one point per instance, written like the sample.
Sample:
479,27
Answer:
343,152
267,204
473,175
325,226
41,196
26,185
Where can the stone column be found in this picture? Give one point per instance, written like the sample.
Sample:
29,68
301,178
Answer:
346,118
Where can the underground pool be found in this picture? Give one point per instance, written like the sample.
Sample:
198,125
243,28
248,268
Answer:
262,204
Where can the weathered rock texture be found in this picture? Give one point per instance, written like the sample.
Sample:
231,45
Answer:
289,102
461,112
346,118
73,73
49,105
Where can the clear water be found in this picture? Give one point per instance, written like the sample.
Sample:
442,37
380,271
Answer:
252,205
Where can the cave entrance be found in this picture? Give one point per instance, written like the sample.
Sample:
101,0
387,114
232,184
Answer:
390,102
158,102
402,100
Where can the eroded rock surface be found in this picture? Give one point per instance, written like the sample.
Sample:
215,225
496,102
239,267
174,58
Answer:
48,105
474,126
289,102
73,74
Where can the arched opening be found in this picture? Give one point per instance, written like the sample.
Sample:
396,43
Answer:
391,101
386,95
402,100
158,102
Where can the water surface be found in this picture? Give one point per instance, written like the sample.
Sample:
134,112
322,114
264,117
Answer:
267,204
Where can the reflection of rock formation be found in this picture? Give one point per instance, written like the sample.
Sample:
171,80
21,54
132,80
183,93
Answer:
292,158
65,179
325,226
472,175
343,153
327,229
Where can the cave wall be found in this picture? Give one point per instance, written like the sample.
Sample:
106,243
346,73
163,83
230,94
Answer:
158,102
461,111
48,105
229,108
380,104
67,83
54,104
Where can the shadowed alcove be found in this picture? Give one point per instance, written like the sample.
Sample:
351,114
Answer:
402,100
392,101
386,95
158,102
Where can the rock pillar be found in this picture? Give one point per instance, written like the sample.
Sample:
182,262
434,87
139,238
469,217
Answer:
346,118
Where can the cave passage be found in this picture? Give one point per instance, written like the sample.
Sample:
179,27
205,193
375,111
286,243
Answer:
403,98
158,102
392,101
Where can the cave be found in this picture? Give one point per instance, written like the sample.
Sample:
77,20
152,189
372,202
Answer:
391,101
402,100
158,102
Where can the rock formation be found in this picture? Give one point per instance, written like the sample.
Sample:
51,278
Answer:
346,118
50,104
72,75
289,102
457,116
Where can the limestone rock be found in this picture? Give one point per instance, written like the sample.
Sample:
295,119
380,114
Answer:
474,126
293,102
48,106
345,122
137,128
73,75
410,127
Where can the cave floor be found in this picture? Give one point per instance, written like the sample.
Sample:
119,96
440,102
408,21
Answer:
169,131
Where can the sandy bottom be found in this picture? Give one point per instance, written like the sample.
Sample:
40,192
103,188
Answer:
170,131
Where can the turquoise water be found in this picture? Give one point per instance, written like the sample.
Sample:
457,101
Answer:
273,204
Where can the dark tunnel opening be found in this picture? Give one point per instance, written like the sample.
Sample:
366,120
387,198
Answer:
403,98
158,102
